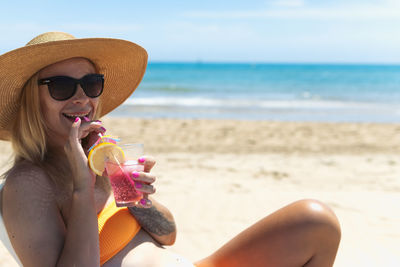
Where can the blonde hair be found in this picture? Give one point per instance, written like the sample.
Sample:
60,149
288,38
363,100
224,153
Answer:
28,137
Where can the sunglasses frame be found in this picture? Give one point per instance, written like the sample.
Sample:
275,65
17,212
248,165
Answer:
81,82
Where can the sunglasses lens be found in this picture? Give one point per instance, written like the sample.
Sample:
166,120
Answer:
93,85
62,88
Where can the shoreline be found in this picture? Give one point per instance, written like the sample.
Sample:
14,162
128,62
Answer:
258,110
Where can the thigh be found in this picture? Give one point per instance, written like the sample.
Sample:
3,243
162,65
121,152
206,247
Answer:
291,236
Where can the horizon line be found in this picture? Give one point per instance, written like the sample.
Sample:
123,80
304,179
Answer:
273,62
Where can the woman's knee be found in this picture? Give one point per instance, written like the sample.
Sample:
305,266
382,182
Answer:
318,215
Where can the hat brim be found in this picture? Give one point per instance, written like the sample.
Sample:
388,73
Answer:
123,64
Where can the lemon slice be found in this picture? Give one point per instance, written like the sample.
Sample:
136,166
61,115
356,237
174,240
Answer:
100,152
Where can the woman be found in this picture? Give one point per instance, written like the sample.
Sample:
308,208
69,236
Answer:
55,208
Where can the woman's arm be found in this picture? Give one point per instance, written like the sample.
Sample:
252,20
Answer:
82,238
157,221
81,246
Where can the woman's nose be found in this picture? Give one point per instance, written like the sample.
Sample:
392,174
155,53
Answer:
80,97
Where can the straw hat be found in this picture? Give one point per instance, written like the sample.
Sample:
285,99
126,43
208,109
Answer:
123,64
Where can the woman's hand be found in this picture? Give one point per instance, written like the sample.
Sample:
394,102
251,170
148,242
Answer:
144,180
83,177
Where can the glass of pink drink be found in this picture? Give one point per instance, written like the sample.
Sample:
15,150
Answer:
119,173
123,186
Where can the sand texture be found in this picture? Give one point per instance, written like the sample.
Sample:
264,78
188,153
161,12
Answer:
219,176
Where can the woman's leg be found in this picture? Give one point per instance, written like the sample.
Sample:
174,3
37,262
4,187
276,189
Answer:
304,233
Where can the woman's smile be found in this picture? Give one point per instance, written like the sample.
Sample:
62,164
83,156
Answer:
83,115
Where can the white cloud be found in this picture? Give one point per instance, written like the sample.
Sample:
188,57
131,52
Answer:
388,9
288,3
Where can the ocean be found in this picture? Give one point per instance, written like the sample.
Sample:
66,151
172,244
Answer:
283,92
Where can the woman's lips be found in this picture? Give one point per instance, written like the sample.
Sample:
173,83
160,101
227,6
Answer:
82,116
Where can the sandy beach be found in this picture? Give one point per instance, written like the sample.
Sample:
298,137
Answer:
220,176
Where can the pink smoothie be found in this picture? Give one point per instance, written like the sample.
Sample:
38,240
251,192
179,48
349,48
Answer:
122,184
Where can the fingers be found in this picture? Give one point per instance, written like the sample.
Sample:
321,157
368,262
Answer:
74,142
148,162
73,134
145,202
82,175
90,127
145,188
143,182
81,129
143,177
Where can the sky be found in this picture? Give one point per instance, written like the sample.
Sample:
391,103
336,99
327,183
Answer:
277,31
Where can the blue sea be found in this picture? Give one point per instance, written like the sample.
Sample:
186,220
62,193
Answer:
283,92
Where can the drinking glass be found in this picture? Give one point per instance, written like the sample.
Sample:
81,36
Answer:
119,173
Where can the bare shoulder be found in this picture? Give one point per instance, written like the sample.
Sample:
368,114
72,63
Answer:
27,189
26,180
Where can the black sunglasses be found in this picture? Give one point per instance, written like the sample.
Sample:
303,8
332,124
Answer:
63,87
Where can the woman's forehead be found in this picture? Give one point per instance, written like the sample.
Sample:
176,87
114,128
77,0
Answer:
74,67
